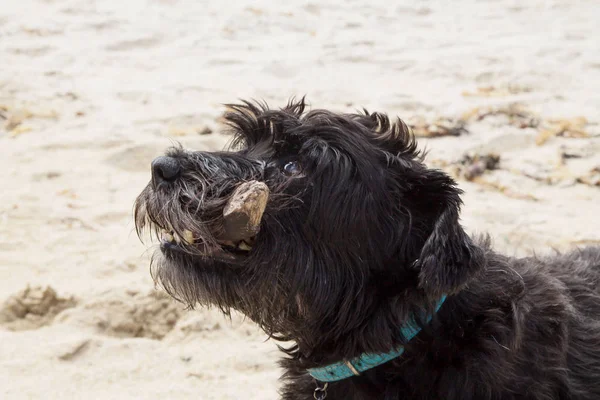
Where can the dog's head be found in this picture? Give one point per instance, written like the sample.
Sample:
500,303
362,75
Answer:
347,218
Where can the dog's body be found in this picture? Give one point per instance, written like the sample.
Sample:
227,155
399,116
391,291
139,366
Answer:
524,329
357,237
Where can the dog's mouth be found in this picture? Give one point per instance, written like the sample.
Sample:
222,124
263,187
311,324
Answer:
188,242
228,237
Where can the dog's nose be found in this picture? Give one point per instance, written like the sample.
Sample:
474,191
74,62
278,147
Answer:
165,169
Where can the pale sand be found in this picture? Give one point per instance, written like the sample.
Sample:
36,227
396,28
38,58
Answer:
92,91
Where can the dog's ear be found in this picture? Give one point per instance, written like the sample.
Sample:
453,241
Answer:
449,258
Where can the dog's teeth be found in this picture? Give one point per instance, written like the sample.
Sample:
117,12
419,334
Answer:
244,246
176,237
227,243
167,237
188,236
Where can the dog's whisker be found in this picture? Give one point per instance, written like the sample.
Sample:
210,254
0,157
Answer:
501,345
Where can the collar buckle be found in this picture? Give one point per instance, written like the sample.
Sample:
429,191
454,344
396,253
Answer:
321,391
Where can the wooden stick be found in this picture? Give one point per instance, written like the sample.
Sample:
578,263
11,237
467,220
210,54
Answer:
244,210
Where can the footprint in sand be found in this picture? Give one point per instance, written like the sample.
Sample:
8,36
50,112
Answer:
223,62
85,145
32,308
136,158
141,43
34,51
123,314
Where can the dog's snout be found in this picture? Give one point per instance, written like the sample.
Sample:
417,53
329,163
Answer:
165,169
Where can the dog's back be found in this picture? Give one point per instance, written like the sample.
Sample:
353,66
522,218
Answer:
580,272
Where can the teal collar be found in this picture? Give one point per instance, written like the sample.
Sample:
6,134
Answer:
347,368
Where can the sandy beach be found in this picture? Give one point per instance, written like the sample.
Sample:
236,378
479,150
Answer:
92,91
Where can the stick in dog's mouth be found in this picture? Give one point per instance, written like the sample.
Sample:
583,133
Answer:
244,211
242,217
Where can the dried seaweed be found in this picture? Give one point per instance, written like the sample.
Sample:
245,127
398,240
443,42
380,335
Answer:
14,117
573,128
441,126
471,166
495,91
522,118
505,190
517,115
592,178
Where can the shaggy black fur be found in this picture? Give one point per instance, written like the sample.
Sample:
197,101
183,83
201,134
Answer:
357,236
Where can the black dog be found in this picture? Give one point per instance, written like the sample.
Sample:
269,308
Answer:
358,245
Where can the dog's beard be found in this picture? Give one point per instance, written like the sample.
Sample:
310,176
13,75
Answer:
193,263
210,272
194,280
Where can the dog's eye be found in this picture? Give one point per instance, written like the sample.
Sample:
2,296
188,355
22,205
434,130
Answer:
292,168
